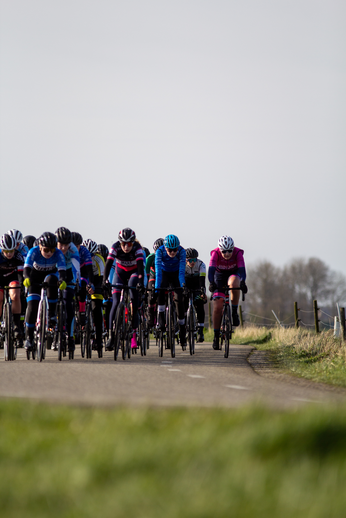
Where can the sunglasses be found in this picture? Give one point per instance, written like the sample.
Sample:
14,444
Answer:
47,250
226,251
173,249
192,260
9,251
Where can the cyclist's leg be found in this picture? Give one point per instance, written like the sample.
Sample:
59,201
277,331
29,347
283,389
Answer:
69,302
116,292
218,298
15,295
52,295
199,305
151,301
179,302
96,308
133,280
234,282
33,300
161,300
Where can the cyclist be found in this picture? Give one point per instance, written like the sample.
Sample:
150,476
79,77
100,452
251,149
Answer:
43,263
95,289
103,251
150,270
11,274
71,254
127,256
226,268
29,241
86,272
170,261
195,274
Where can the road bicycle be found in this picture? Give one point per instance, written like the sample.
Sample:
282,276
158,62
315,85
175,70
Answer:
191,320
41,326
6,331
60,331
122,326
143,326
166,338
88,332
226,328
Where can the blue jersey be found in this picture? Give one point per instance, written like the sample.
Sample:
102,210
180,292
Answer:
169,264
36,261
73,262
23,249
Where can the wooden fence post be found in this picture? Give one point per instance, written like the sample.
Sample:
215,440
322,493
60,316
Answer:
241,316
296,309
342,324
317,329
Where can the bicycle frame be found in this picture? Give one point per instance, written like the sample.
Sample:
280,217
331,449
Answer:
191,321
167,337
10,344
122,324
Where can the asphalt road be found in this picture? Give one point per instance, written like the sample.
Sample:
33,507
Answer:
206,379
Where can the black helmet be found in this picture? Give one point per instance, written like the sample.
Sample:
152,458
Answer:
146,251
127,235
63,235
191,253
76,238
48,239
103,250
29,241
158,243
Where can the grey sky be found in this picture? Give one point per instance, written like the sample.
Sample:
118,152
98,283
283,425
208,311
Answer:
198,118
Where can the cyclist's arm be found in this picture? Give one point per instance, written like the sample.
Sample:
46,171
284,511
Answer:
202,275
182,266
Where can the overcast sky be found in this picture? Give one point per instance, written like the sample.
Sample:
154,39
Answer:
198,118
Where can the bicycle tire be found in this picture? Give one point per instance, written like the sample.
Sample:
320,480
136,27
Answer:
128,343
8,344
171,327
82,343
118,331
41,331
191,332
227,332
88,346
60,338
162,344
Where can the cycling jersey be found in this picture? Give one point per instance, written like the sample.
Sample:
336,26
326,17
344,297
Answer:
196,273
233,266
35,260
23,249
11,268
72,264
163,262
129,262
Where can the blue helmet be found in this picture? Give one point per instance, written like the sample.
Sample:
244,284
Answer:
171,241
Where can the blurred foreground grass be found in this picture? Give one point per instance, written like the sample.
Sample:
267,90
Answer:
318,357
66,462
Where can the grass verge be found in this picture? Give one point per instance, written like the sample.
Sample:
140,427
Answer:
69,462
318,357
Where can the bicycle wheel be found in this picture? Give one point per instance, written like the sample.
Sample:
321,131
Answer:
8,344
171,327
61,333
162,343
82,343
227,326
140,337
41,331
191,330
119,331
88,346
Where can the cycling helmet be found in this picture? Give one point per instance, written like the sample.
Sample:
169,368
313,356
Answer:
63,235
90,245
29,241
18,236
8,242
126,235
103,250
48,239
191,253
226,244
76,238
158,243
171,241
146,251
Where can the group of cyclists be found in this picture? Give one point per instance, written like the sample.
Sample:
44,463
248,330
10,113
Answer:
81,268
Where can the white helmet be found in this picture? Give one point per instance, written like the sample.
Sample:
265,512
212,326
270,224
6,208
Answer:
18,236
226,244
8,242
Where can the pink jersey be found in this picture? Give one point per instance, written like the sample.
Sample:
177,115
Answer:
221,264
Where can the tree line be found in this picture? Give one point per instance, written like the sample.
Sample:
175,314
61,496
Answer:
302,281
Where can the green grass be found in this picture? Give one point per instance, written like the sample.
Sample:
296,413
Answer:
66,462
318,357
